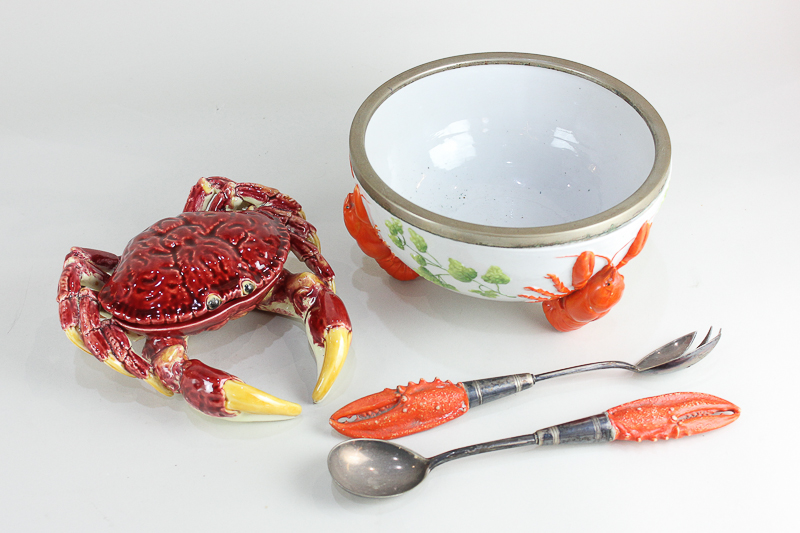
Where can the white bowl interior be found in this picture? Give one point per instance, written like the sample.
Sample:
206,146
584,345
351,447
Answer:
509,145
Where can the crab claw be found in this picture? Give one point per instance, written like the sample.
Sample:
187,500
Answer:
327,323
328,330
330,358
216,392
398,412
250,404
669,416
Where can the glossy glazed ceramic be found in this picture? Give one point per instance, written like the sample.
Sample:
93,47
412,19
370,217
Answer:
221,258
489,174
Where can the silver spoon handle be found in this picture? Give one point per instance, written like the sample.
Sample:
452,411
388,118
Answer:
484,447
595,428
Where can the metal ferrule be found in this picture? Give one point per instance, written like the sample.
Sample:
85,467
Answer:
595,428
481,391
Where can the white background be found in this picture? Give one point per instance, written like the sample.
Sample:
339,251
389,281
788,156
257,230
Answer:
109,112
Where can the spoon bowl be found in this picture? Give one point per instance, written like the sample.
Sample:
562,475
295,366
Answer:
376,468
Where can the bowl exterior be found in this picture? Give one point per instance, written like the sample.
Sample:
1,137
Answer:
499,273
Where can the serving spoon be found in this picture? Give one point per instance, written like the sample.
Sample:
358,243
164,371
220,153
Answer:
379,469
416,407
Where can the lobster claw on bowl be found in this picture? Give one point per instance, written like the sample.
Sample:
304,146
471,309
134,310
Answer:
394,413
671,416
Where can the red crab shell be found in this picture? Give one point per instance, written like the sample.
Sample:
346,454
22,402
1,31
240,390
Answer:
167,273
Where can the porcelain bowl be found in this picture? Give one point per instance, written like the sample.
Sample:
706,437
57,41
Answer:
489,174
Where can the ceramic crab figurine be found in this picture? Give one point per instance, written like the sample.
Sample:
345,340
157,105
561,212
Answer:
218,260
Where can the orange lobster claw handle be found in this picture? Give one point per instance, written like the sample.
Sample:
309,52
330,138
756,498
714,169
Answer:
671,416
398,412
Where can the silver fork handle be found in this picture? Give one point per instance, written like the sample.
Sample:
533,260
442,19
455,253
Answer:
584,368
481,391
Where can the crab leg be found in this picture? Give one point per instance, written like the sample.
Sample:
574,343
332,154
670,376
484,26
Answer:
81,269
309,254
308,298
222,194
79,311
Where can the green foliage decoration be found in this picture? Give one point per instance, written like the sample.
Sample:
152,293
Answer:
488,285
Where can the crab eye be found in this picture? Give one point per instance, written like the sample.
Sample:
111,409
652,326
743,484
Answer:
212,302
248,287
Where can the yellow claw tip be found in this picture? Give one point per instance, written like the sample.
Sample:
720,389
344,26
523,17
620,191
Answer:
337,343
250,403
176,351
207,188
116,365
317,396
75,337
158,385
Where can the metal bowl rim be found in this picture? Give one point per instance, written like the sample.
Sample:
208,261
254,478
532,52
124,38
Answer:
512,237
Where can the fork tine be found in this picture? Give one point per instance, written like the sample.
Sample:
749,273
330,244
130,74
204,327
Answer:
705,339
690,357
705,346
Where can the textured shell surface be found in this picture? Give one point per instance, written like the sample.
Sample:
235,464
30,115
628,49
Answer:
195,265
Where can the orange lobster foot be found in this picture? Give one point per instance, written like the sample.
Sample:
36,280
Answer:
593,295
369,240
